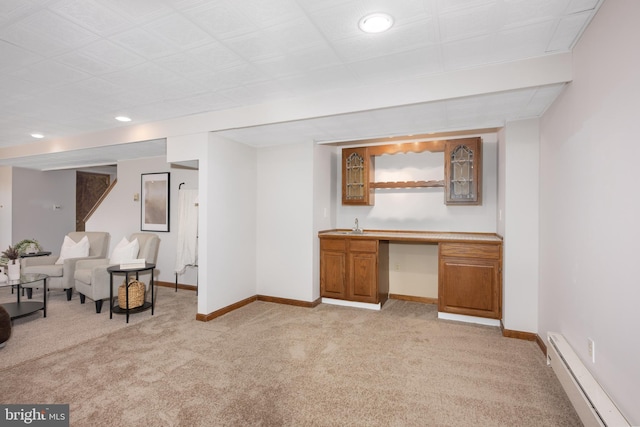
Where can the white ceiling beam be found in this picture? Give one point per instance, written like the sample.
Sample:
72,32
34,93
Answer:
540,71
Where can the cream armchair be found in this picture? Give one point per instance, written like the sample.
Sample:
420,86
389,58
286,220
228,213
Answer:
92,279
61,275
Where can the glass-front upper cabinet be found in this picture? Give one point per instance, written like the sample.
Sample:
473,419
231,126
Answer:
463,174
357,170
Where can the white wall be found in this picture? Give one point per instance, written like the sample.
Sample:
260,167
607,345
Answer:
285,221
34,195
589,228
519,223
228,178
6,184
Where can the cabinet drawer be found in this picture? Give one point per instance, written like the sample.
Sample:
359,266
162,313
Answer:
333,245
363,245
470,250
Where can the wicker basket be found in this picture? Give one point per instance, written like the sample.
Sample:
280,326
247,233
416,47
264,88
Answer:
136,294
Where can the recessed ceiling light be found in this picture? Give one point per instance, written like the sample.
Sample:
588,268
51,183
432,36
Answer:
37,135
123,119
375,23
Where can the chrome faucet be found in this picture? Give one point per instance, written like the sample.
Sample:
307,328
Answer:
356,229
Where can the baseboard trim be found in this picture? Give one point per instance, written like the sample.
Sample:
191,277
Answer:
527,336
286,301
541,344
225,310
173,285
424,300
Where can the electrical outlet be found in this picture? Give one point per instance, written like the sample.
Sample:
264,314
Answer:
397,267
592,349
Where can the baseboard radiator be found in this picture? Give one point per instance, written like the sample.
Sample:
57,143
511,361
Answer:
590,401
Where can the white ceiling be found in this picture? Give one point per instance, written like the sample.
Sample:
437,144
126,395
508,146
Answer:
68,67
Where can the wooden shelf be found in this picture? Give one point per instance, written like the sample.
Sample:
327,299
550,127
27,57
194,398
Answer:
407,184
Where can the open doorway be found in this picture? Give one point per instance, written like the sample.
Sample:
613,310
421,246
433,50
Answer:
90,189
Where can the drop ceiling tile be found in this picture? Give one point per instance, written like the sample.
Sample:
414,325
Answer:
577,6
299,62
568,31
50,73
256,46
468,23
209,102
216,56
523,12
222,19
179,30
341,22
98,88
241,75
144,44
139,11
542,98
468,53
46,34
521,42
13,56
445,6
330,78
269,13
100,57
183,64
396,40
15,10
91,15
399,66
144,75
15,88
294,35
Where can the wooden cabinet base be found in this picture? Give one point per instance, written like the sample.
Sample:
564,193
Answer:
469,279
354,270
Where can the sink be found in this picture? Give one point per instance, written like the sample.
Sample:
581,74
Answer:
354,233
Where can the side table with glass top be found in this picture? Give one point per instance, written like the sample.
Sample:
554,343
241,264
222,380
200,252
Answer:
24,308
116,269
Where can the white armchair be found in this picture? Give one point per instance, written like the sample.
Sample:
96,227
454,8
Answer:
92,279
61,275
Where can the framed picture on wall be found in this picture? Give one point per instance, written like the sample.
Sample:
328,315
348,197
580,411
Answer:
154,209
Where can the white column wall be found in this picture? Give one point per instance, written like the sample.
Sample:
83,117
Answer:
520,157
229,177
285,221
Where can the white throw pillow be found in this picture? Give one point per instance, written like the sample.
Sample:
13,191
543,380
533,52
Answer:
125,251
71,249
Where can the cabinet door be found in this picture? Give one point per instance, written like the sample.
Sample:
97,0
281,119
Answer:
469,287
463,171
357,174
333,268
363,277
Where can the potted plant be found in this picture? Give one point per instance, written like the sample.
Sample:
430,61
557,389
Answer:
28,246
13,266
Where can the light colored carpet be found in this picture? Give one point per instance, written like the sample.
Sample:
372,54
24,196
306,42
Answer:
67,323
275,365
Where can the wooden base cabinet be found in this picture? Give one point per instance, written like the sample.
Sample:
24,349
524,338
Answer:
354,270
469,279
